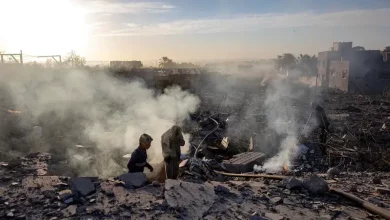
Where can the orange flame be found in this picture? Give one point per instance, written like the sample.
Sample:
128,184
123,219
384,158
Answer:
285,168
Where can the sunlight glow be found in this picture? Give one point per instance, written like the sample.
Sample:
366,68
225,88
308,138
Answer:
42,26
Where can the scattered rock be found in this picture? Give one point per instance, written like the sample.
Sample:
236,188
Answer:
135,180
83,186
109,192
187,196
64,194
70,211
315,185
156,184
332,172
10,214
274,216
276,200
292,183
257,217
221,189
288,201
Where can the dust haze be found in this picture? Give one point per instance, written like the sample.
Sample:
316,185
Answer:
68,111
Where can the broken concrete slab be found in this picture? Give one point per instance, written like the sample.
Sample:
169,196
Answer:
315,185
83,186
196,199
243,162
134,180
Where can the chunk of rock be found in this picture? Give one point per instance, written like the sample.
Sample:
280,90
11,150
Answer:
221,189
334,171
135,180
70,211
83,186
276,200
188,196
315,185
10,214
257,217
292,183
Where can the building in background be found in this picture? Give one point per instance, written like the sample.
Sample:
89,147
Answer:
354,68
126,64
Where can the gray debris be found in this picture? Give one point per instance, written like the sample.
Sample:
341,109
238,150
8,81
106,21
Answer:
276,200
156,183
70,211
292,183
64,194
187,196
257,217
10,214
315,185
334,171
83,186
135,180
221,189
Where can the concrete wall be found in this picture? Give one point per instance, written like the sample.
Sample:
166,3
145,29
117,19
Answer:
324,59
339,75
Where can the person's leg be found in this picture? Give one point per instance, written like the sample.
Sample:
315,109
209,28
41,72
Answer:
168,169
175,168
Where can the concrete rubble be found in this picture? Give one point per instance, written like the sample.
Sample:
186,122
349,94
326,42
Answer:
39,186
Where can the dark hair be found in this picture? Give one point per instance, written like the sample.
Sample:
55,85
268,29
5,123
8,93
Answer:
145,138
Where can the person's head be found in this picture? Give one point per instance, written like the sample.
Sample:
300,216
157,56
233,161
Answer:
176,130
145,141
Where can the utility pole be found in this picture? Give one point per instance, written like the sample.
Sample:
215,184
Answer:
13,55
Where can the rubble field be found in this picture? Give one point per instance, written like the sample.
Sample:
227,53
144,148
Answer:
221,177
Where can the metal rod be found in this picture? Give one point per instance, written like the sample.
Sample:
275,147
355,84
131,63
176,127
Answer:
275,177
367,205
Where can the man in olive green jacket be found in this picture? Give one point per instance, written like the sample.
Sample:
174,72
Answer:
171,141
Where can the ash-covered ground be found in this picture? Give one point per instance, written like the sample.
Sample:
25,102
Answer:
84,123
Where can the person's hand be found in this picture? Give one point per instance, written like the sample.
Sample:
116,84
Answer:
150,168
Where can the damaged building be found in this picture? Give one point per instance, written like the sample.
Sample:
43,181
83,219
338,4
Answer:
354,69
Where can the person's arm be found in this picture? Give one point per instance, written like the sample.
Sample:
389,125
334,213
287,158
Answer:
147,165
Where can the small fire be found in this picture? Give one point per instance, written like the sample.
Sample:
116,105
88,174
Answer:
285,168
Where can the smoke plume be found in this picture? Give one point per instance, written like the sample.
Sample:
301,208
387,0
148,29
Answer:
282,107
94,111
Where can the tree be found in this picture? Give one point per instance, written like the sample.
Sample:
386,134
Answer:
286,62
74,60
165,62
307,64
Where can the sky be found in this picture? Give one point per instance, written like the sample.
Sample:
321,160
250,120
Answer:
104,30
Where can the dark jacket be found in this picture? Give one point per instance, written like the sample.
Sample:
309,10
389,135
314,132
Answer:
138,161
322,120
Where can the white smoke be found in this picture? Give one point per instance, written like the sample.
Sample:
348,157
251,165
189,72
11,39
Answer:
282,116
109,113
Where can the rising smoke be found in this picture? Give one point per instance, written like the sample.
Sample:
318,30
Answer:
282,103
92,110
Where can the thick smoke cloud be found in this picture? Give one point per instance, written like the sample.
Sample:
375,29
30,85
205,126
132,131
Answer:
94,110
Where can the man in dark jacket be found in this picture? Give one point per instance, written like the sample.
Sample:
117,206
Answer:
171,141
138,160
322,121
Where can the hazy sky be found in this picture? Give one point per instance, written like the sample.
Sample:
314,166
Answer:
189,30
